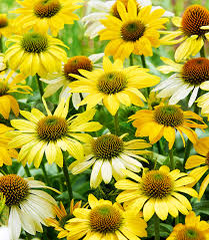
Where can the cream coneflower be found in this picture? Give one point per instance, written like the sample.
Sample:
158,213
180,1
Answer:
109,154
63,217
42,15
105,221
193,229
136,32
28,207
193,31
6,153
51,134
62,79
163,121
92,20
157,191
113,85
35,53
188,77
10,82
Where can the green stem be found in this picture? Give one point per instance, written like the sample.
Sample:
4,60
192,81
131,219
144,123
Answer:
131,60
144,65
187,150
67,179
60,180
116,123
160,148
172,163
40,86
202,52
27,171
176,220
45,173
157,227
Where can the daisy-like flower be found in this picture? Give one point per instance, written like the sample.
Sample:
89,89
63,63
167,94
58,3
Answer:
163,121
105,221
42,15
193,229
195,161
193,31
92,20
188,77
109,154
50,134
6,153
136,32
113,85
62,79
28,207
63,217
5,26
10,82
157,191
35,53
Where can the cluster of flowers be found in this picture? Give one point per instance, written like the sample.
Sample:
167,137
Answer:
133,28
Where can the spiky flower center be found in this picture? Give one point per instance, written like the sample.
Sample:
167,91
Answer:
76,63
157,184
193,18
14,188
132,31
3,21
47,8
107,147
169,116
34,42
52,128
105,219
196,71
114,10
112,82
189,233
3,88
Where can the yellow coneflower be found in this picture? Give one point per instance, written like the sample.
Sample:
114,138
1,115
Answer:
42,15
163,121
193,229
135,32
157,191
105,221
193,31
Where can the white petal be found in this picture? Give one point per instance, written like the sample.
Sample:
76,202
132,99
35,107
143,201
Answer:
14,224
106,171
193,96
94,181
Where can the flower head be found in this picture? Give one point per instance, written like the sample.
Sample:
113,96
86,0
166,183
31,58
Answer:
136,32
105,219
109,154
50,134
163,121
42,15
193,229
28,207
157,191
113,85
34,53
193,31
188,77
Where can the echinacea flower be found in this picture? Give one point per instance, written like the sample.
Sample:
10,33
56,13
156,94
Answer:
42,15
157,191
193,229
35,52
10,82
163,121
6,153
195,161
63,217
102,9
51,134
28,207
109,155
105,221
62,79
188,77
193,31
113,85
136,32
